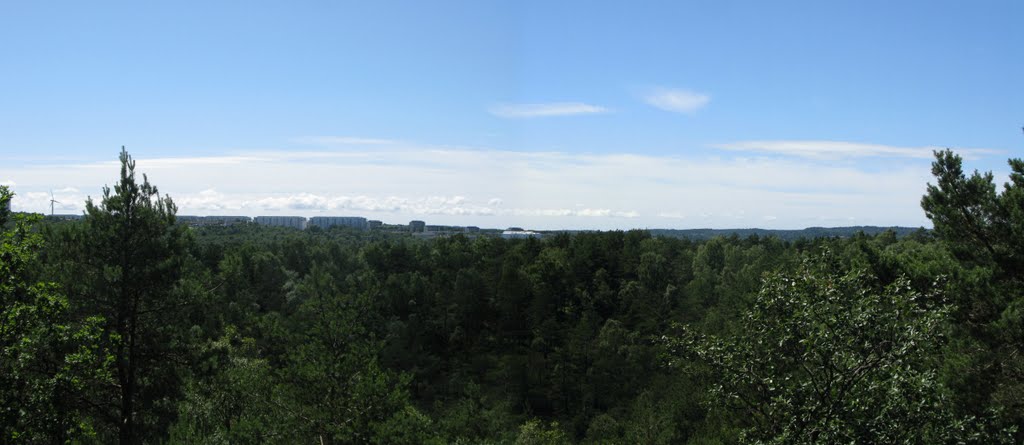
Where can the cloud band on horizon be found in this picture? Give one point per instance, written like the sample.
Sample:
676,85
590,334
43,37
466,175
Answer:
498,188
834,150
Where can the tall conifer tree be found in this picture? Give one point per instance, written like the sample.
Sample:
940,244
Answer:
127,259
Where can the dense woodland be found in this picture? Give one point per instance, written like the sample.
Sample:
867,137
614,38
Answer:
125,327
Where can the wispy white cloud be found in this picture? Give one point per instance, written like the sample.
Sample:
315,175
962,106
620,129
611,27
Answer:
832,150
545,110
677,100
206,201
165,163
582,212
343,140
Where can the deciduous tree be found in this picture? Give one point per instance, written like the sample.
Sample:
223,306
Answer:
48,361
826,355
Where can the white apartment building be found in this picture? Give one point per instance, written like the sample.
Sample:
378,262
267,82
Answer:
295,222
324,222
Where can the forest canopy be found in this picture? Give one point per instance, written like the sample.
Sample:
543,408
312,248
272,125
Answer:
129,327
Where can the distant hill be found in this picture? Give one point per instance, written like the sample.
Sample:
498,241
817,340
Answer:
789,235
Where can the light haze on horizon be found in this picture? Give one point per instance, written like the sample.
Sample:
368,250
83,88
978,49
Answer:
497,114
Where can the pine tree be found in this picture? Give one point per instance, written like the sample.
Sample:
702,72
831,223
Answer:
984,229
125,264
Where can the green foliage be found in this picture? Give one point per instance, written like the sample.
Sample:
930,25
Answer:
407,427
236,404
472,418
604,429
651,421
826,355
335,387
535,432
48,361
487,332
125,263
977,222
985,231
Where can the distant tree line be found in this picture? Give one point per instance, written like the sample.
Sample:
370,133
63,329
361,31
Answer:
788,235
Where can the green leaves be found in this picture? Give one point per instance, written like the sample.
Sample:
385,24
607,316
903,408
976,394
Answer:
981,225
48,360
985,230
827,355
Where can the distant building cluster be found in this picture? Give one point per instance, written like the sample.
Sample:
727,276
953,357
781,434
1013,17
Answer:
416,227
323,222
295,222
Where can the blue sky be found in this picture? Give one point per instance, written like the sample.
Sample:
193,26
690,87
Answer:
575,114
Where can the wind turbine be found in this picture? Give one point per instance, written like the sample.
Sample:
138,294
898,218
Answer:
52,202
